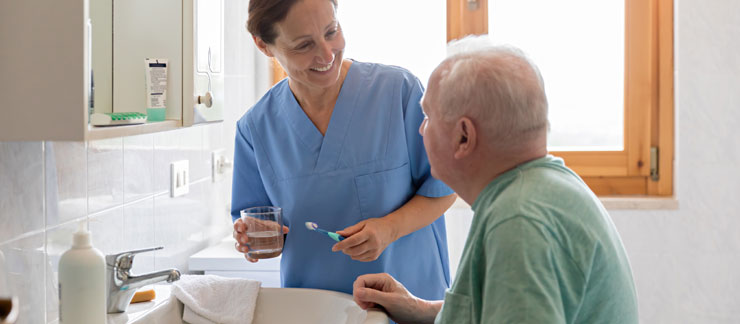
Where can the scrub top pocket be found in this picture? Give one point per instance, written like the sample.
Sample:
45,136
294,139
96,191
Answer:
381,193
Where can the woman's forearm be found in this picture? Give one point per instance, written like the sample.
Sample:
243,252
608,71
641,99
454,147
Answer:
418,212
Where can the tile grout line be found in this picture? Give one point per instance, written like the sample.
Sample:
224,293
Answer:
135,201
123,190
87,183
154,203
45,209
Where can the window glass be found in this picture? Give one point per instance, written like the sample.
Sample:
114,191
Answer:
409,33
579,47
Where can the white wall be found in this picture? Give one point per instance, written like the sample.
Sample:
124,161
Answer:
686,262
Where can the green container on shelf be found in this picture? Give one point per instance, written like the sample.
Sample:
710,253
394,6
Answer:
155,114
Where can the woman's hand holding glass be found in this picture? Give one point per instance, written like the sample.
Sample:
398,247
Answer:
366,240
241,227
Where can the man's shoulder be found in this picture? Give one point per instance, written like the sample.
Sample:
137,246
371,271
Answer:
552,188
556,201
536,190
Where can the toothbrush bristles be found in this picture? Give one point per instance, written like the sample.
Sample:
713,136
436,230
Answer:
311,225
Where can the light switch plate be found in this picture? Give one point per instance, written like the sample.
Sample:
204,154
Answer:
219,165
179,178
217,172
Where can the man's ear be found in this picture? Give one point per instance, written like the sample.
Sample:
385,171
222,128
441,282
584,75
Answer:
262,46
466,138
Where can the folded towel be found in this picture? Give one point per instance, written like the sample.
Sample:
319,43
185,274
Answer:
212,299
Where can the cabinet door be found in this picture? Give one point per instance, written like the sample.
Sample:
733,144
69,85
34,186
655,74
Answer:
207,30
44,70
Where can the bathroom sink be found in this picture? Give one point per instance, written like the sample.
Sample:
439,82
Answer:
285,305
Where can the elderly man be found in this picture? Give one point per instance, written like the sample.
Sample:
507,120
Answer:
541,248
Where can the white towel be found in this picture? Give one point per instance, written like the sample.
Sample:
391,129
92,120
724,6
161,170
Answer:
212,299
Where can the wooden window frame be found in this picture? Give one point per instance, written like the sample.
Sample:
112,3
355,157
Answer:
649,101
648,98
277,71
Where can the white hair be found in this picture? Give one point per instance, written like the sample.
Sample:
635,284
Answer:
498,86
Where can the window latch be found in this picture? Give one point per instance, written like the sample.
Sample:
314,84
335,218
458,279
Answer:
473,5
654,175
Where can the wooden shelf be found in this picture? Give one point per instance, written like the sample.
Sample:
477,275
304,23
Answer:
97,132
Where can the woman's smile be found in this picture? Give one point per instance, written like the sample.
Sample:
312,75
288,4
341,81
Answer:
324,68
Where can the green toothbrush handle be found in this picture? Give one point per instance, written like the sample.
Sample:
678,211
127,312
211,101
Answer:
335,236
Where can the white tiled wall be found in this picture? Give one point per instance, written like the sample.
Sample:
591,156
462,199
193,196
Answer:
104,174
121,186
26,272
66,183
138,167
48,188
22,190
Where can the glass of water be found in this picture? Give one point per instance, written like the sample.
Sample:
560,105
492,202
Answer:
264,231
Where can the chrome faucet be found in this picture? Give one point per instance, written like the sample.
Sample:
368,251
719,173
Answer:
122,285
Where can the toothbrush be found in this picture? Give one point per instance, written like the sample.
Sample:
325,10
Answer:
312,226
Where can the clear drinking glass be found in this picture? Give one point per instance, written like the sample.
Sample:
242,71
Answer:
264,231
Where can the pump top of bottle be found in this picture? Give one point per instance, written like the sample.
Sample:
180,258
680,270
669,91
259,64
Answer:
81,239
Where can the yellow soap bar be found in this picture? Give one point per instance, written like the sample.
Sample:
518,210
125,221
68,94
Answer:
143,296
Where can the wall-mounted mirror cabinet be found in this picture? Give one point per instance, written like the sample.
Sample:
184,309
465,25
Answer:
64,59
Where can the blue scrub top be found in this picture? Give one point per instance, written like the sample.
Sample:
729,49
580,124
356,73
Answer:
370,162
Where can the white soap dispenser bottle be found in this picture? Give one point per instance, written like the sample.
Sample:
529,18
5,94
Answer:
82,297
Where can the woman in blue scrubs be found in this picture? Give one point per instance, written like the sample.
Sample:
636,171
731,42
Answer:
337,143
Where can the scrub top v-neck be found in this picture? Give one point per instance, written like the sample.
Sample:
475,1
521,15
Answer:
370,162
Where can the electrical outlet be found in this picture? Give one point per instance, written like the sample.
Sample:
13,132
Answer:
219,164
179,178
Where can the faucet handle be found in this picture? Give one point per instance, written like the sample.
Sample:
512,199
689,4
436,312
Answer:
125,259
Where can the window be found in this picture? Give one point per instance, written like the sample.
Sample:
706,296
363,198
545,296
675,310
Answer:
613,129
647,92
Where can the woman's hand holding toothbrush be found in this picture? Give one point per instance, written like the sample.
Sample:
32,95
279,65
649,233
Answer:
366,240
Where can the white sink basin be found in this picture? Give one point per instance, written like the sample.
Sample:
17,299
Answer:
284,305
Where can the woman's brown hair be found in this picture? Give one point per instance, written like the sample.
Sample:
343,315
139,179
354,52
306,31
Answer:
264,14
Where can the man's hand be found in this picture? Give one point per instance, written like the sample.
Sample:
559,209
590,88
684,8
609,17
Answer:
366,240
381,289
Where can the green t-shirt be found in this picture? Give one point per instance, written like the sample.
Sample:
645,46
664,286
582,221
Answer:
541,249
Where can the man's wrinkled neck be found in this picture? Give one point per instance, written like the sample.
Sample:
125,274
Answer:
485,167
